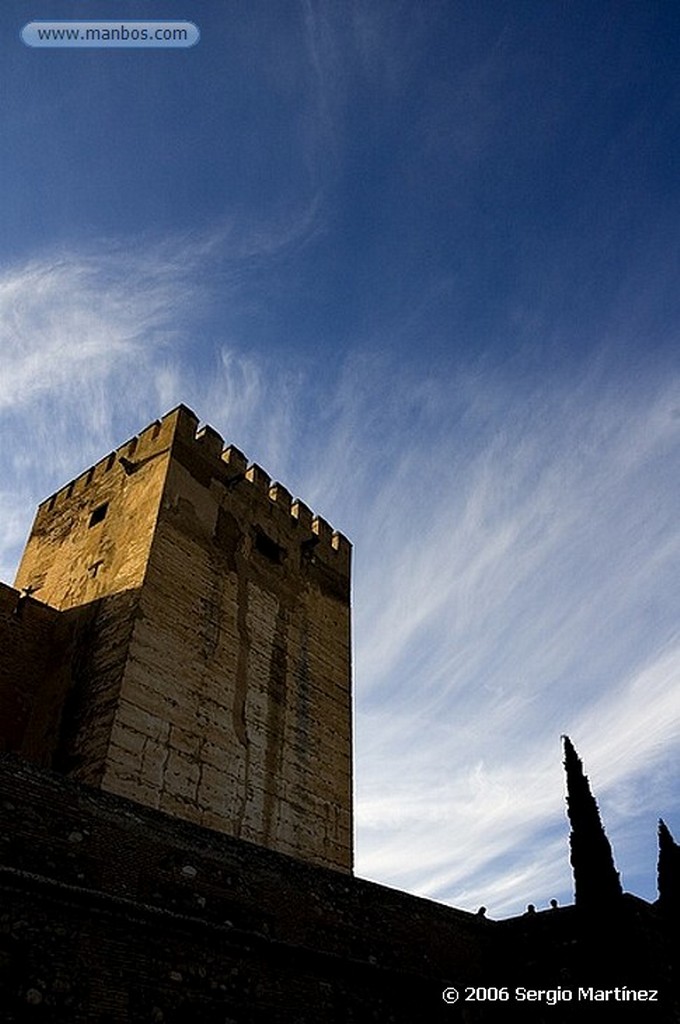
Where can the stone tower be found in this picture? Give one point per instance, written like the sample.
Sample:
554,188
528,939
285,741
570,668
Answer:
202,654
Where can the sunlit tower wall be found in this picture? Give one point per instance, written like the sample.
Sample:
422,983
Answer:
210,651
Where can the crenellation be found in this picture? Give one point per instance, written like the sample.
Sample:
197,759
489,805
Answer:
142,444
340,543
83,481
129,448
235,459
182,423
211,442
303,514
147,437
46,506
154,439
322,529
281,497
343,550
258,478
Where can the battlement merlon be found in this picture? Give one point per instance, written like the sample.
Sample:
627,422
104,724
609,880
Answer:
227,464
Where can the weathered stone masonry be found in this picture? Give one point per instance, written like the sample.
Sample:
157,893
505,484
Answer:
207,642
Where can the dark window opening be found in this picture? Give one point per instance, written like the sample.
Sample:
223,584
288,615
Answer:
269,548
307,549
98,514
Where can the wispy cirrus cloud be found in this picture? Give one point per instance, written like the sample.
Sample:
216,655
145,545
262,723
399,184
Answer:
87,344
96,341
69,320
520,583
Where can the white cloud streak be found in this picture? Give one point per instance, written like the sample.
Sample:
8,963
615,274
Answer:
81,337
522,585
95,343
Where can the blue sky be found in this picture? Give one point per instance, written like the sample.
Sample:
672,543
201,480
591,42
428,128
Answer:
420,261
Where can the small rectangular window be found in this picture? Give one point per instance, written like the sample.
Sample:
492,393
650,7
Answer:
98,514
268,547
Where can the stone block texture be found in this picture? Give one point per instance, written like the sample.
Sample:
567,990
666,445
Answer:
204,663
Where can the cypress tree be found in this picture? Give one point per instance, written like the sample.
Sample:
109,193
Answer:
668,870
596,880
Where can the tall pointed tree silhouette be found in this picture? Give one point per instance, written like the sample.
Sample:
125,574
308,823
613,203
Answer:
668,870
596,880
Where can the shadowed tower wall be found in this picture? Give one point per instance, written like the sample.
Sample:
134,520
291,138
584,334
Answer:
211,654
